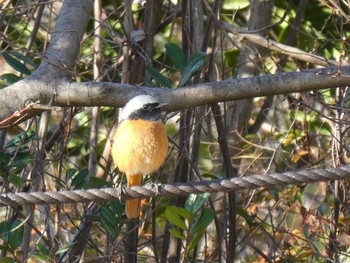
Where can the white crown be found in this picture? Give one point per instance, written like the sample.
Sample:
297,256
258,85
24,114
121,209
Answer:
137,103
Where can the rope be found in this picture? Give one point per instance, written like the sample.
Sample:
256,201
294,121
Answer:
176,189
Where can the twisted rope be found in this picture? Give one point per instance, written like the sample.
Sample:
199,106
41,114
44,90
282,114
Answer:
176,189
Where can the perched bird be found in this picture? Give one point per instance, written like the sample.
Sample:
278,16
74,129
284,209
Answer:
140,144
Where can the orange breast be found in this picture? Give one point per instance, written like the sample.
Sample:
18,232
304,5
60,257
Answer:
140,147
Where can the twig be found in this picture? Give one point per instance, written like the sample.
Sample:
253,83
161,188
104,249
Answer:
19,115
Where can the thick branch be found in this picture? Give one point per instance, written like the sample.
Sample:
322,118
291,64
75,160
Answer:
65,93
66,37
116,95
56,65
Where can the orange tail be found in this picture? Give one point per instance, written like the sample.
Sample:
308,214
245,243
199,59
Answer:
132,207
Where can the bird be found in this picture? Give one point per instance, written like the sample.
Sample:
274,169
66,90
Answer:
140,144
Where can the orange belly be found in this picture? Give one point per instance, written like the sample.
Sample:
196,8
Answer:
140,147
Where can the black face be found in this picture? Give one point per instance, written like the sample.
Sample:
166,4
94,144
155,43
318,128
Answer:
149,112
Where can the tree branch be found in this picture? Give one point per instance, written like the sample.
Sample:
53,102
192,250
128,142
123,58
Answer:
64,93
280,48
55,68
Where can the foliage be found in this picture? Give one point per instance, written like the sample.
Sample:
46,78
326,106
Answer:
188,67
190,224
307,223
18,62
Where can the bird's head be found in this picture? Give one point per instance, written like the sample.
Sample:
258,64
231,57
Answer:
143,107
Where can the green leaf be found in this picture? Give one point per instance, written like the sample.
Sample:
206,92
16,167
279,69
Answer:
194,240
21,160
4,159
70,173
324,210
318,247
314,195
116,207
190,202
176,55
306,230
157,76
231,57
294,219
196,201
94,182
21,139
244,214
205,219
23,57
5,229
80,179
41,257
210,176
16,234
177,233
194,64
108,216
109,221
93,218
235,4
12,233
65,248
172,214
43,250
16,64
184,213
10,78
16,180
344,239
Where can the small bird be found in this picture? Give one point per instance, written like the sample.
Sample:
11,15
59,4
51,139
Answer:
140,144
